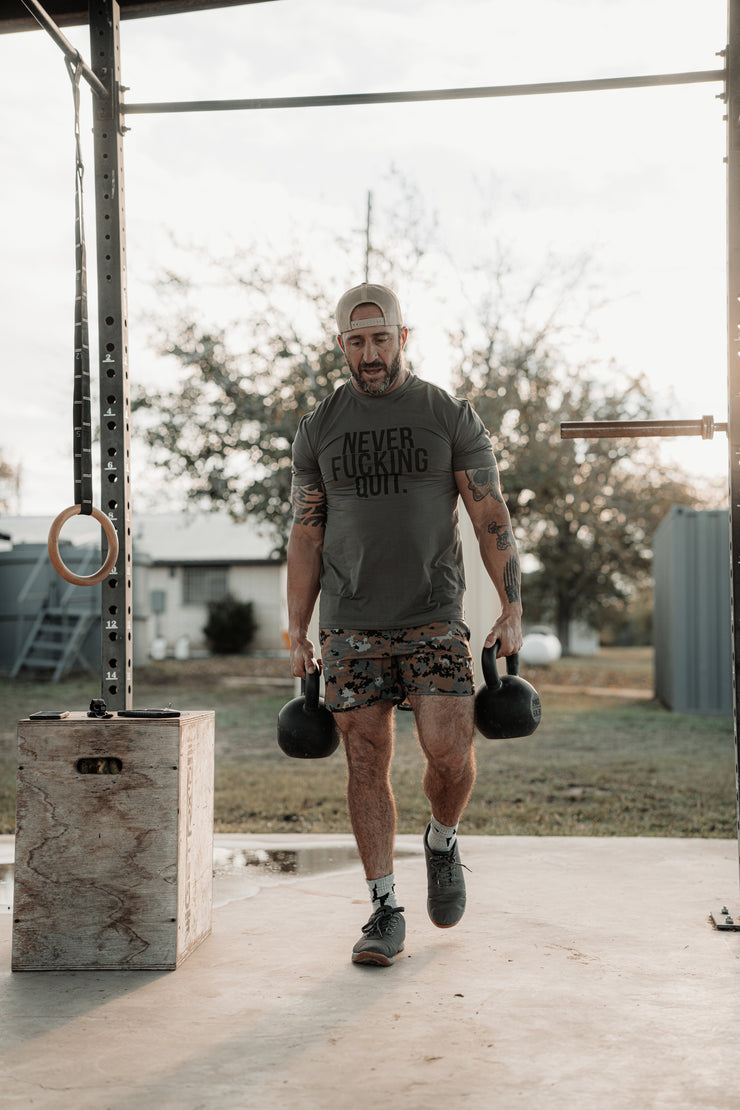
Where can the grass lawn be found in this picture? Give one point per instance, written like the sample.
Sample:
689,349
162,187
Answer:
600,764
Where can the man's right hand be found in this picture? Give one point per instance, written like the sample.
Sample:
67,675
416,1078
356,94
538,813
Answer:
303,658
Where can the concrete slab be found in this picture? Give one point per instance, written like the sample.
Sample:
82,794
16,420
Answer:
584,974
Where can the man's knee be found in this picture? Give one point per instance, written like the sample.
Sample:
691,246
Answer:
367,733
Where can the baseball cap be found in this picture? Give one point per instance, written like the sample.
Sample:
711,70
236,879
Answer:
384,298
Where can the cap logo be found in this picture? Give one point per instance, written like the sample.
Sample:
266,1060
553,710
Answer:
374,323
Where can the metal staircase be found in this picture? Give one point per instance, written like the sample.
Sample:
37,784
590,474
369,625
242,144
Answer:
58,628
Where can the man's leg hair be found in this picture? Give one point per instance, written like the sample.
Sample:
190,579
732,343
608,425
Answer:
446,728
368,742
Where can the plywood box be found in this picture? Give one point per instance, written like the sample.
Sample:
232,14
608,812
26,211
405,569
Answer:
114,842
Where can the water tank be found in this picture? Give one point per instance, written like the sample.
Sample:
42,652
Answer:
692,622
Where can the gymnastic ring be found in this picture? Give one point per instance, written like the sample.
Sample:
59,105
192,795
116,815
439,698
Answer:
56,559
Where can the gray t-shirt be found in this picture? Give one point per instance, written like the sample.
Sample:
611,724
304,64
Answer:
392,552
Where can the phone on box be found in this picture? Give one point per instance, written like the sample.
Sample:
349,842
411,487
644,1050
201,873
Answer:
49,715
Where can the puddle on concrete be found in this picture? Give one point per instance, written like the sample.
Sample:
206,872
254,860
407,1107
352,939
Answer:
6,887
240,873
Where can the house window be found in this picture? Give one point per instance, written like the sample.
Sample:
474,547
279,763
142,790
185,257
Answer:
204,584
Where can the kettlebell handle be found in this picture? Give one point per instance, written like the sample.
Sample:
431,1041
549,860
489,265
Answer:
310,687
490,670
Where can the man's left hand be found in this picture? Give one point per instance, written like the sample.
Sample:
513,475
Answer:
508,631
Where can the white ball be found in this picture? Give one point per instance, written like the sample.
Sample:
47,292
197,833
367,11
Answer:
539,648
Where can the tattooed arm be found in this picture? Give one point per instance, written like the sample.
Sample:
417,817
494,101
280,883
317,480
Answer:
305,547
481,494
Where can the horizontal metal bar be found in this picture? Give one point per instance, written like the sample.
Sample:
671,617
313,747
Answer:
69,50
483,92
631,429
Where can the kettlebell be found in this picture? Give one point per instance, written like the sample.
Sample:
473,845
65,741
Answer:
306,728
505,707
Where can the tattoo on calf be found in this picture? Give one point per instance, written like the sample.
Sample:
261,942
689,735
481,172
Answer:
309,505
484,483
512,579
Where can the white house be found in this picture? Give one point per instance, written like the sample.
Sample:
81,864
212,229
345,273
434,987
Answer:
194,559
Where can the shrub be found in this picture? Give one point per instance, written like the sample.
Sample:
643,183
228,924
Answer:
231,626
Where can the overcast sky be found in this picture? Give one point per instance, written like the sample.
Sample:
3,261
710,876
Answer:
635,178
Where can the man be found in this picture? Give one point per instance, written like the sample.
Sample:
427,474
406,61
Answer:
377,471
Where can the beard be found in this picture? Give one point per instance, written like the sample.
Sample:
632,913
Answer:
382,385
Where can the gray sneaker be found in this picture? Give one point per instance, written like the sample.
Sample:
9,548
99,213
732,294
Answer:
445,885
382,938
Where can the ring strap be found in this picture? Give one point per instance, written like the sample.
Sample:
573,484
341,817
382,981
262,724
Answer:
82,424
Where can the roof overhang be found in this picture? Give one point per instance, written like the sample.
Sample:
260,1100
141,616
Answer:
14,16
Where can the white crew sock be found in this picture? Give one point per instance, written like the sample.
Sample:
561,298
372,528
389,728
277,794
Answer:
383,891
441,838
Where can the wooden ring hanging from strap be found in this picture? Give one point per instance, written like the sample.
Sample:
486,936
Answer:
56,559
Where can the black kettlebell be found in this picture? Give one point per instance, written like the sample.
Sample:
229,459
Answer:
505,707
306,728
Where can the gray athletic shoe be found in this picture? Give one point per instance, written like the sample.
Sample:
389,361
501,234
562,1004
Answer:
445,885
382,938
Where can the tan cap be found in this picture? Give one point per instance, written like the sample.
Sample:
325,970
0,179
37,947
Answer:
384,298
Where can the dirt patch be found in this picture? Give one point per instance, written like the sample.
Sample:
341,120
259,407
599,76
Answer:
214,670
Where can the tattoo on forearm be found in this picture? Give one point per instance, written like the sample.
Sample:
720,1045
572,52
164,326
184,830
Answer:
504,537
484,483
512,579
309,505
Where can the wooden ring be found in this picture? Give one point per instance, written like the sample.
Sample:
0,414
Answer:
56,559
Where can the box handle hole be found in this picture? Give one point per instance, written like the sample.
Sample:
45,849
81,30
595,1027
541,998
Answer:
107,765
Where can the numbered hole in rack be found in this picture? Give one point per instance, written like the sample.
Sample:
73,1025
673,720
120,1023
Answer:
112,635
112,689
113,609
111,425
112,478
109,321
113,582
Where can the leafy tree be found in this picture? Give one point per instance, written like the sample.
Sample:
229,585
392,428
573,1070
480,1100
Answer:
9,483
588,508
227,426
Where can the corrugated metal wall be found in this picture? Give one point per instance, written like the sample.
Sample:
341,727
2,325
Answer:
692,614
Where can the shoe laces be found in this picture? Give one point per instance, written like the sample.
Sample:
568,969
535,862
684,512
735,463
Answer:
443,865
382,921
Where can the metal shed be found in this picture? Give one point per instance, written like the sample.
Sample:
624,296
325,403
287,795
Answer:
692,622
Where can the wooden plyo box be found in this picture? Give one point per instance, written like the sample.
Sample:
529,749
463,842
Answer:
114,842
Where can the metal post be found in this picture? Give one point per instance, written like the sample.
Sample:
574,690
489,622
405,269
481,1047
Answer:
733,342
368,224
115,495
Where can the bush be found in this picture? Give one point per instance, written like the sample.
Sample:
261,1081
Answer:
231,626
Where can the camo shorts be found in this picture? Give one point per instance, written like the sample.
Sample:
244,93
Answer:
361,667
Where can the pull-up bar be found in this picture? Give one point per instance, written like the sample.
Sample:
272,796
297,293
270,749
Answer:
69,50
343,99
628,429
